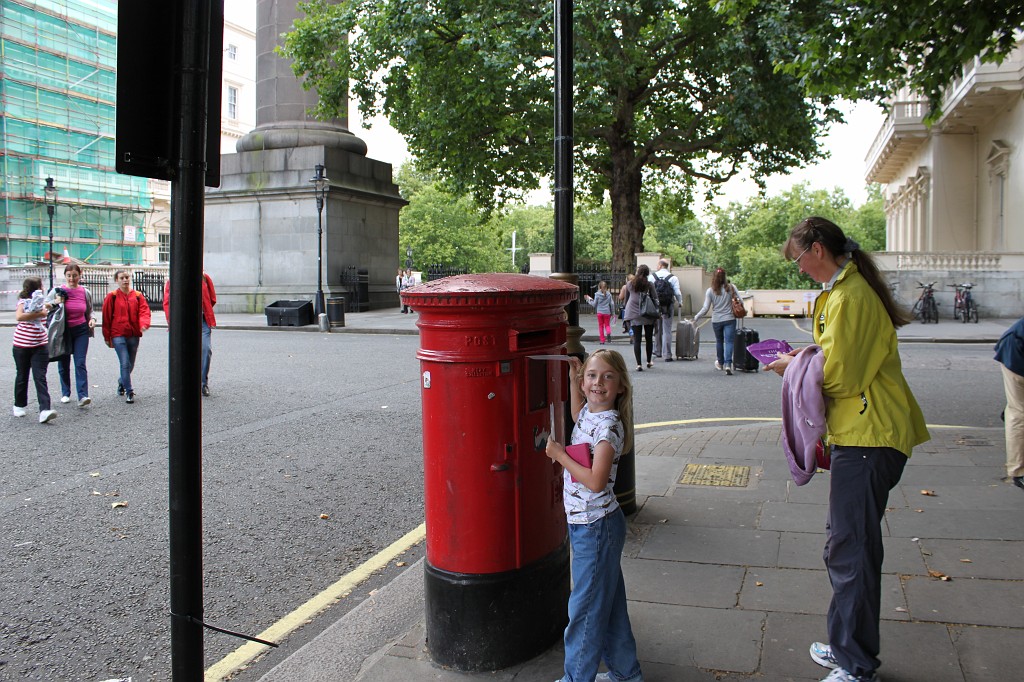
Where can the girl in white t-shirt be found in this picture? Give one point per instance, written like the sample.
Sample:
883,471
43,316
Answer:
599,627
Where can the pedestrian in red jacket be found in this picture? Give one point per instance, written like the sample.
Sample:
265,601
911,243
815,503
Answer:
125,316
209,322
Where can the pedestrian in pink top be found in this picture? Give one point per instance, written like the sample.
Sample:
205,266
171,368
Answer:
78,308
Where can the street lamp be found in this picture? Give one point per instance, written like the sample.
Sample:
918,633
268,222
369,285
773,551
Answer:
50,197
320,186
689,253
408,256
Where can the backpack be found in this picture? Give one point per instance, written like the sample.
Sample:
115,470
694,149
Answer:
666,293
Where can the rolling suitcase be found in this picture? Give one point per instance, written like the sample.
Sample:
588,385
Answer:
741,359
687,339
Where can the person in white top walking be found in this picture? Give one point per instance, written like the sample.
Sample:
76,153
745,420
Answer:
669,296
718,299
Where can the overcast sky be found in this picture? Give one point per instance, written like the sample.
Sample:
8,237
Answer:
848,144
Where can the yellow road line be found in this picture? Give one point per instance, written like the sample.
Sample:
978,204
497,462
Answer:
798,327
244,654
706,420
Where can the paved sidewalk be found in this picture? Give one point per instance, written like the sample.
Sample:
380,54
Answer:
727,583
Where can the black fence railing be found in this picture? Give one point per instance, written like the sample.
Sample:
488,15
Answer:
356,283
437,271
98,286
150,285
590,277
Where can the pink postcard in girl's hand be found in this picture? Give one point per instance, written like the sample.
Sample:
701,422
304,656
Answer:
768,350
580,454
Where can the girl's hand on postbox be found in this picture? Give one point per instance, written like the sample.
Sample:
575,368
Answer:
554,449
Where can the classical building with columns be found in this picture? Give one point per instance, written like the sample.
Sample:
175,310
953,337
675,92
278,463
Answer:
954,190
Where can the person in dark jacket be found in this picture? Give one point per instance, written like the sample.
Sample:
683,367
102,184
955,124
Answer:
1010,354
631,294
209,322
125,316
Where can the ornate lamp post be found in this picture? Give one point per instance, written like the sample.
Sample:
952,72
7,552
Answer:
689,253
50,197
320,186
408,256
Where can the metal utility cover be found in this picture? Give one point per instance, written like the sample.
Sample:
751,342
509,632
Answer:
716,475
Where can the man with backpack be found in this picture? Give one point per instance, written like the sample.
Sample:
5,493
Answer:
667,287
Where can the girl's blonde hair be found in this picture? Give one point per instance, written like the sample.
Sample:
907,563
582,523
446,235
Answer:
624,401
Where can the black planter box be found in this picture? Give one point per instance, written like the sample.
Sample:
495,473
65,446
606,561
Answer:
289,313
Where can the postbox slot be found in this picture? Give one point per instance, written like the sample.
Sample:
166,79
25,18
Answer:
521,341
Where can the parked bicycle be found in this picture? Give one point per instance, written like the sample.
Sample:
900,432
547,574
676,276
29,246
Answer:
964,307
926,309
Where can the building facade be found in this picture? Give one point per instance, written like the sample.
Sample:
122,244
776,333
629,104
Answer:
58,75
954,190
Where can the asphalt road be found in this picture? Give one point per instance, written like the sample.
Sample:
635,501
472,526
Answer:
299,425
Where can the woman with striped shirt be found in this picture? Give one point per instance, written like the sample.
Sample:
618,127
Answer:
30,353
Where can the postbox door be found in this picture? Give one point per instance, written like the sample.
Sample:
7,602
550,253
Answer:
470,466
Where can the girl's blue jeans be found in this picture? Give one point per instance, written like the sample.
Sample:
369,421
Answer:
126,347
725,334
78,340
599,626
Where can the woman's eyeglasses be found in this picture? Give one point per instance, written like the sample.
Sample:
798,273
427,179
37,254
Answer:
797,259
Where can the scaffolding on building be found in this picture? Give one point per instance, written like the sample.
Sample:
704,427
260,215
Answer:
58,62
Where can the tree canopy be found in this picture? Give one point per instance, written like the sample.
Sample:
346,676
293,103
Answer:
870,49
666,94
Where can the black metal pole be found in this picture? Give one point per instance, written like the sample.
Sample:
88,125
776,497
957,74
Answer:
49,210
564,143
185,444
319,254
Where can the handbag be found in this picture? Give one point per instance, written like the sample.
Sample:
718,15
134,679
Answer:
738,309
56,333
648,308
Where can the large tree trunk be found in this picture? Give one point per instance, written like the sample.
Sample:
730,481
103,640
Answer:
627,222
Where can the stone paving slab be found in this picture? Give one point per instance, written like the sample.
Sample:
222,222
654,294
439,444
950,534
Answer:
687,511
922,476
682,583
655,475
798,518
989,496
730,546
808,591
814,491
987,653
688,636
975,602
788,637
994,559
981,524
804,550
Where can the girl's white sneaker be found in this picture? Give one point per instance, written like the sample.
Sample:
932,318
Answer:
18,411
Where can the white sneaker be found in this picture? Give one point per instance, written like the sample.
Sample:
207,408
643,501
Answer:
85,401
65,399
728,368
840,675
718,365
47,416
823,656
18,411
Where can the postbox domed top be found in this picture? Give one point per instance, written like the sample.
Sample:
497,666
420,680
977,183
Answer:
490,289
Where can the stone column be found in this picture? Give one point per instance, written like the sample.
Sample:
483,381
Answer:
281,101
261,223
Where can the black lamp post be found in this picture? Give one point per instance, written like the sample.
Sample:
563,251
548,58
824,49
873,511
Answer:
689,253
408,256
320,186
50,197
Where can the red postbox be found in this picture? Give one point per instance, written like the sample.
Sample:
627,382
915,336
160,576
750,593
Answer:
497,573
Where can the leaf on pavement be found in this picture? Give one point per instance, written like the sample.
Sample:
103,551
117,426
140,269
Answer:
115,505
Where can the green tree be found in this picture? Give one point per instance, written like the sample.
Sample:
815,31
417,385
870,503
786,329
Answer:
870,49
667,93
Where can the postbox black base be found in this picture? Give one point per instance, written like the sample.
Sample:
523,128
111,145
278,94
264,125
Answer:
625,482
478,623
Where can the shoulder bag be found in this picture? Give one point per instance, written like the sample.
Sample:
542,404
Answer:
648,308
738,309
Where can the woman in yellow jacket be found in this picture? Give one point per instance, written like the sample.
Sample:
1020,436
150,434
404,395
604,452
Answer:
873,424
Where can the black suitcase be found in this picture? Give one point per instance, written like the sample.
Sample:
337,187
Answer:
741,359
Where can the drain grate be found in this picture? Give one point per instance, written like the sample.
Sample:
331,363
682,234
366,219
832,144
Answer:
716,475
973,440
